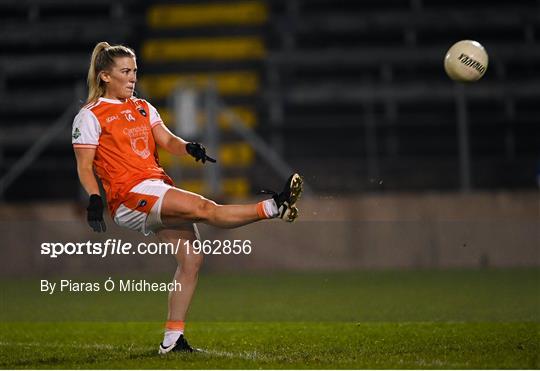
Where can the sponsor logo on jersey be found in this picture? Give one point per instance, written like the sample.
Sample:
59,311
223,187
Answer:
112,118
76,133
141,203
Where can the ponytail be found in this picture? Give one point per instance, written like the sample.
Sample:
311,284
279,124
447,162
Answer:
102,60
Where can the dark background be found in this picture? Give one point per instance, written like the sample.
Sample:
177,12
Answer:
352,94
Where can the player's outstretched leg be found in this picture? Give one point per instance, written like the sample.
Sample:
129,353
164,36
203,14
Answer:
181,206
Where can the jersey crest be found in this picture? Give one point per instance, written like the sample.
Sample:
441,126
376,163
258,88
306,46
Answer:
138,137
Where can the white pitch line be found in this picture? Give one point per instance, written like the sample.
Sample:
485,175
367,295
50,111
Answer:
63,345
252,356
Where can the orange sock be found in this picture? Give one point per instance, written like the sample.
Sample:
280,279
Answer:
267,209
174,325
260,210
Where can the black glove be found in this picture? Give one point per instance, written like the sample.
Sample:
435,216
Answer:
95,214
198,151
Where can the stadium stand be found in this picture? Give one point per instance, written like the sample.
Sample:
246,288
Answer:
352,93
368,76
199,42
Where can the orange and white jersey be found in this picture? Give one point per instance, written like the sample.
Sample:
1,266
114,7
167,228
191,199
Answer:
121,133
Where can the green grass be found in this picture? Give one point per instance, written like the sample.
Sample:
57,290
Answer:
275,345
385,319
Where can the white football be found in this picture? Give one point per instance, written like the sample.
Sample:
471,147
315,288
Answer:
466,61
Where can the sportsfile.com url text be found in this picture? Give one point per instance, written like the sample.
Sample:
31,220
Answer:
118,247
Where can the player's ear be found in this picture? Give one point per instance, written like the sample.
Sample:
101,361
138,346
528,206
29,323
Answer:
105,76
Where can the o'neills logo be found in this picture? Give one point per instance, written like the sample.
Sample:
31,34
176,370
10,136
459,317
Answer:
469,62
112,118
138,137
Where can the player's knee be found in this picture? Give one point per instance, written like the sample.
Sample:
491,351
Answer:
205,209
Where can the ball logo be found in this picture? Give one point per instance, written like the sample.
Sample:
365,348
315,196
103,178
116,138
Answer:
469,62
138,137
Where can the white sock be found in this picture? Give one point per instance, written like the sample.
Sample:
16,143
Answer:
171,336
270,208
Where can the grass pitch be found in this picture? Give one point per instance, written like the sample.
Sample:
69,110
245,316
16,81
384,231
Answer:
394,319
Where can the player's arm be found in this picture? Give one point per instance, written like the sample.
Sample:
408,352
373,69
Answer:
168,141
177,146
85,169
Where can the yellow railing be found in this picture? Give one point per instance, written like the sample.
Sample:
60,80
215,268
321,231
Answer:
247,116
209,14
204,48
227,83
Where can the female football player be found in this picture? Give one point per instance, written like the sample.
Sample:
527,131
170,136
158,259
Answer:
115,137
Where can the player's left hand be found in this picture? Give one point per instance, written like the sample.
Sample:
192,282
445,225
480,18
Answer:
95,214
197,151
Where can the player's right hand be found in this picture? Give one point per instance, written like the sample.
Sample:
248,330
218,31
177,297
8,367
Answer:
95,214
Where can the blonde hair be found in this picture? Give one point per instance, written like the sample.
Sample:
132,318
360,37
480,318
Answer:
102,60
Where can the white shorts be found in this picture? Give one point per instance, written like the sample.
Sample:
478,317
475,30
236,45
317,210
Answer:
141,210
